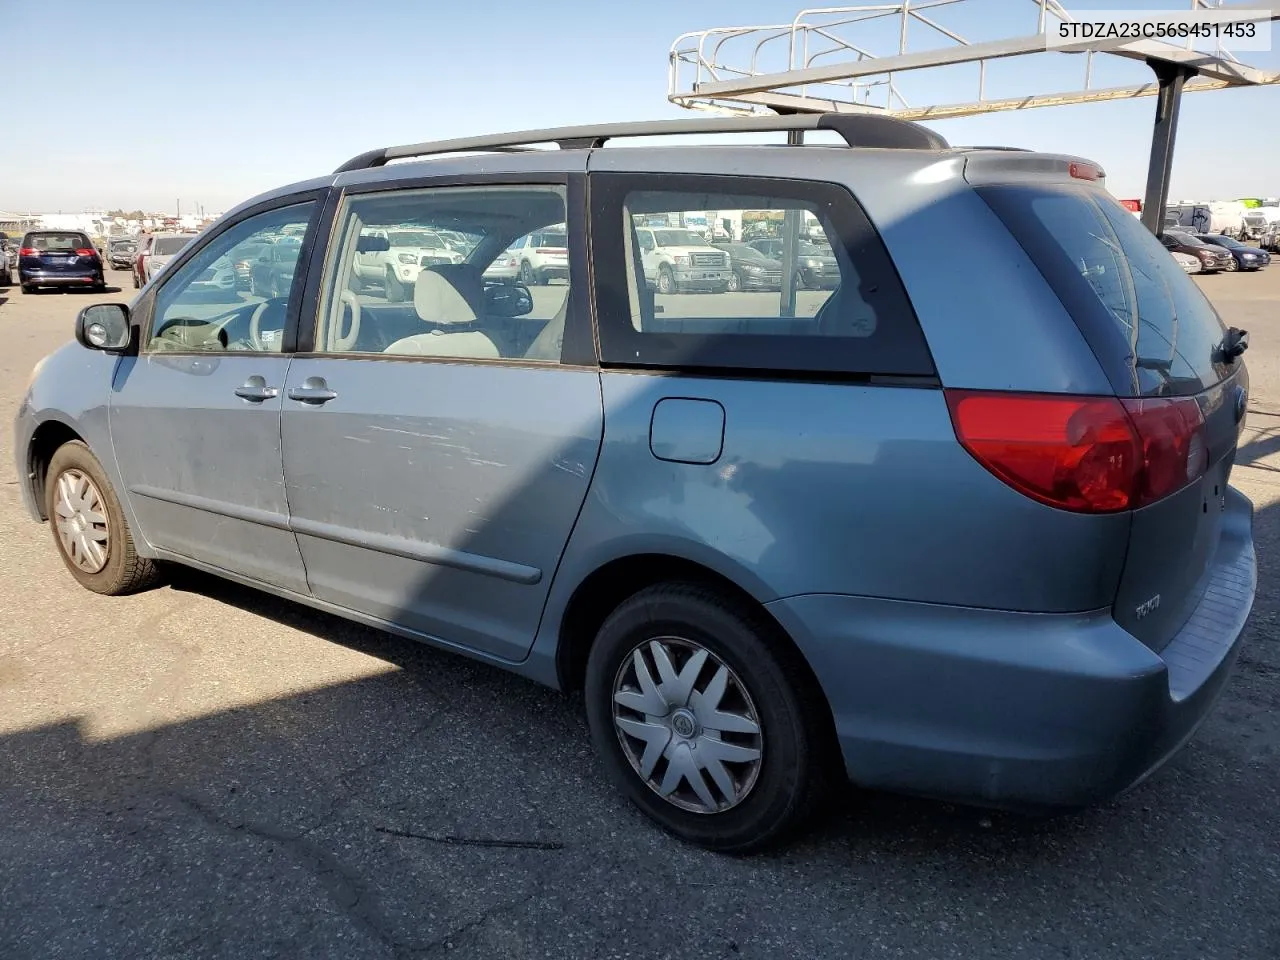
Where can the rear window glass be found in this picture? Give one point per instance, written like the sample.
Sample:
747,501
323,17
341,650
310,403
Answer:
167,246
1151,327
689,305
57,241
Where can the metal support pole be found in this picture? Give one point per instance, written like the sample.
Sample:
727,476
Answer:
790,246
1163,135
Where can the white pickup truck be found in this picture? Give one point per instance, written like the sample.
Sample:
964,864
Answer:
397,267
677,259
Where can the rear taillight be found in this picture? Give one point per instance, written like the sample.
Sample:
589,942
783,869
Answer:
28,252
86,252
1085,454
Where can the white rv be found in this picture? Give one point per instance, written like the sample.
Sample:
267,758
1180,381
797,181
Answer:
1218,216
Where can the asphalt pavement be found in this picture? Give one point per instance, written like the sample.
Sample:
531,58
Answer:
202,771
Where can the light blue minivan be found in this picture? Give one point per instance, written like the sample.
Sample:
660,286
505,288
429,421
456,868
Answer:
957,524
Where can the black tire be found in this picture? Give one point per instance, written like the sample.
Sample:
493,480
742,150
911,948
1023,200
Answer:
735,282
28,288
395,289
794,770
134,274
124,571
527,276
1232,266
666,280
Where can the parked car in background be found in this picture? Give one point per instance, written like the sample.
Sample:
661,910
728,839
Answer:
121,252
678,260
396,268
8,259
543,256
815,262
1247,257
1212,257
964,528
59,258
271,274
505,267
751,269
156,251
1188,263
242,258
218,280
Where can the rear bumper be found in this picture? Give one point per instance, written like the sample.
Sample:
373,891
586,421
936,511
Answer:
1017,710
47,279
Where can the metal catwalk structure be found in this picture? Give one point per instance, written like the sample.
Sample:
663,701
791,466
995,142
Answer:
825,68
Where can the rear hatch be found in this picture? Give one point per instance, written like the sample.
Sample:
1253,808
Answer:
1168,355
553,249
70,253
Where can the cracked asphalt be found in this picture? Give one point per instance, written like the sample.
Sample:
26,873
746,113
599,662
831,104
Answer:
206,772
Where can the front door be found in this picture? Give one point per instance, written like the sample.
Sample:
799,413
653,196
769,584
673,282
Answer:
437,452
195,417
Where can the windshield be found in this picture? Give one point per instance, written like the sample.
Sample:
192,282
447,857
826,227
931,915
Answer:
680,238
415,238
168,246
1224,241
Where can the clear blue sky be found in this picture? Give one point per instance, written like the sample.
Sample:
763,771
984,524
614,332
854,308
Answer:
139,103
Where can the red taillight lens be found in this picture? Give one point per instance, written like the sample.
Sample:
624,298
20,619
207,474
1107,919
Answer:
86,252
28,252
1174,452
1084,171
1085,454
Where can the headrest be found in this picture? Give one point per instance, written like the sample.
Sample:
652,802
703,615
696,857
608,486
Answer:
444,294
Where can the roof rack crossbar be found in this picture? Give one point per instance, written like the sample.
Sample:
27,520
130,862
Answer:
856,129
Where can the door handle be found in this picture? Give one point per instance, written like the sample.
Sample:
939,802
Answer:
313,390
255,390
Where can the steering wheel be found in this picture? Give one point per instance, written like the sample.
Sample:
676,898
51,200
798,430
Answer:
255,326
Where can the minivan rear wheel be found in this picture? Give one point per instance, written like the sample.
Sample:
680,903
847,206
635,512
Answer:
700,720
88,525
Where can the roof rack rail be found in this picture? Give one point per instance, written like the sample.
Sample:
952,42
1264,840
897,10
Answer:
857,129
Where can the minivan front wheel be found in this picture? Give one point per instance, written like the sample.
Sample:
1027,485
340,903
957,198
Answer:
700,721
89,527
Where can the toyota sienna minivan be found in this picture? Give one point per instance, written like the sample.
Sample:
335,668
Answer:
969,539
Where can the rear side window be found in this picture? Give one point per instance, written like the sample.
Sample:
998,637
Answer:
1148,323
57,241
670,298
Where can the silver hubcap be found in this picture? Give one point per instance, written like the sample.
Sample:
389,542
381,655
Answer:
687,725
81,521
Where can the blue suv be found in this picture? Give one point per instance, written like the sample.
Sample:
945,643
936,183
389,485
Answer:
956,525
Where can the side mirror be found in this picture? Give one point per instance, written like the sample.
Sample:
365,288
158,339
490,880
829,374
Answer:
507,300
372,244
104,326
